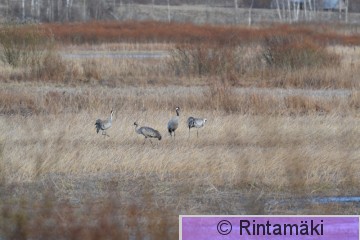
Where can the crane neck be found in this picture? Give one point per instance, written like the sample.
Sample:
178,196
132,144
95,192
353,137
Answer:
136,129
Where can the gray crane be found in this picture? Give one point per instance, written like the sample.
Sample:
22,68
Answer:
148,132
174,122
196,123
104,124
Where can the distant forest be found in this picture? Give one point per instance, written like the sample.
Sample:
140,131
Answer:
83,10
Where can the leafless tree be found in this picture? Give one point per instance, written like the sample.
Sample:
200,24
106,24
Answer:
289,9
169,12
32,8
84,10
23,9
309,14
278,9
51,9
38,8
346,10
296,8
208,10
236,5
69,4
250,8
153,9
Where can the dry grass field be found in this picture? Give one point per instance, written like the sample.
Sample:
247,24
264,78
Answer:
282,130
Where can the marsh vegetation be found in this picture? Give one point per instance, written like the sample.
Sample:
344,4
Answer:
282,105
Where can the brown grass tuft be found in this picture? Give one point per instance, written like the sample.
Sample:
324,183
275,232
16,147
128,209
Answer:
47,218
291,52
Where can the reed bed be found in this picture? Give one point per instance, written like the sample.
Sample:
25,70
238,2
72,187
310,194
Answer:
280,131
322,146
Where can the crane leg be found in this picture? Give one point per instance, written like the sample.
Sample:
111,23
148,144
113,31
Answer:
105,134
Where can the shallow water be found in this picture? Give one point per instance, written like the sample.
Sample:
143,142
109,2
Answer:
338,199
115,55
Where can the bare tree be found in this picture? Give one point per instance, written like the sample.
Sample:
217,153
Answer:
84,10
51,10
289,9
310,14
7,8
250,8
314,10
278,9
168,8
60,10
153,9
284,9
296,7
68,9
207,11
346,10
94,9
32,8
236,4
38,8
23,9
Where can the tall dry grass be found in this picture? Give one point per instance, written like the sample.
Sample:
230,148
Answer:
46,218
245,66
57,171
274,136
312,154
31,49
218,97
295,52
277,56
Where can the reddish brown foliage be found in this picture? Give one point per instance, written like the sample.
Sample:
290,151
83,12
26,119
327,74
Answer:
130,31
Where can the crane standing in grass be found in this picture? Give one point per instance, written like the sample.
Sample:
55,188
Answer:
104,124
148,132
174,122
196,123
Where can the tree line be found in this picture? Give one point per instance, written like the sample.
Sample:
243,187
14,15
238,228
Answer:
83,10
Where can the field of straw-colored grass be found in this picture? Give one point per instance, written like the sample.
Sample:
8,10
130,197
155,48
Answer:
241,163
276,137
275,152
